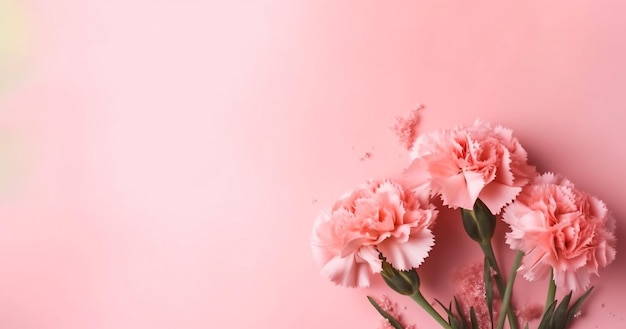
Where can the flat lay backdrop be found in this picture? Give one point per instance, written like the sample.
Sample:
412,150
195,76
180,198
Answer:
162,161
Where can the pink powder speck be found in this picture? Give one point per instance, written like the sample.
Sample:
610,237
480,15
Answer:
365,156
406,128
530,312
471,292
392,308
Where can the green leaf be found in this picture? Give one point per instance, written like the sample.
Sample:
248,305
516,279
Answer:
488,289
442,306
458,311
394,323
547,316
559,318
451,318
473,318
576,307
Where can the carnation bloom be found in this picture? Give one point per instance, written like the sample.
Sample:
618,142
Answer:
561,230
379,217
471,162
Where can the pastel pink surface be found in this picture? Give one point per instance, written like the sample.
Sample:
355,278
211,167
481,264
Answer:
168,158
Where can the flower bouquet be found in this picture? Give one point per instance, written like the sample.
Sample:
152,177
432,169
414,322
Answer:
558,232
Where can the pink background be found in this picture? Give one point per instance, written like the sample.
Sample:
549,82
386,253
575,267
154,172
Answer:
163,161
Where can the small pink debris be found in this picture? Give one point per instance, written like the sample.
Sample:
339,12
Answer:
366,156
392,308
471,292
406,128
530,312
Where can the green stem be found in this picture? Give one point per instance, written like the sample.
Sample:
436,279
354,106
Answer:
506,300
421,301
488,252
551,292
490,255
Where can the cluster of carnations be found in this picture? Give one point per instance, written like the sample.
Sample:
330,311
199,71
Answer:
559,232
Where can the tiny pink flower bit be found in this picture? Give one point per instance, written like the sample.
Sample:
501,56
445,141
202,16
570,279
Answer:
379,217
392,308
471,162
561,230
471,292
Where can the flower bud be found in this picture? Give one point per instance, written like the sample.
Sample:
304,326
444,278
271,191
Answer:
479,222
403,282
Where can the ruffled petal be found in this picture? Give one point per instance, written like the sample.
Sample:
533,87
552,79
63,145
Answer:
352,270
475,184
417,178
410,254
496,195
454,192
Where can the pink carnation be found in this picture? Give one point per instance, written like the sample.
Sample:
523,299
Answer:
560,229
471,162
378,217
